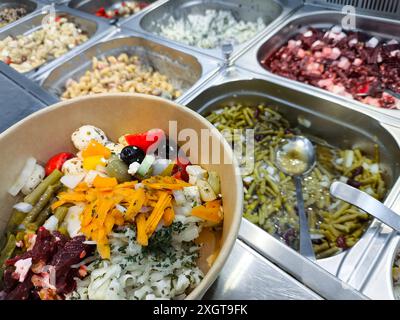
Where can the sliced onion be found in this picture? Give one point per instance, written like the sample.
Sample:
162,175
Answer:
23,207
71,181
23,177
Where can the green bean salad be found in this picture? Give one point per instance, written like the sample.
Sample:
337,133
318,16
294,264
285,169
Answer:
270,199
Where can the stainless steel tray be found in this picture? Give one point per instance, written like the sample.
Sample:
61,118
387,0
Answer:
331,121
272,11
92,26
316,17
185,70
248,275
30,5
91,7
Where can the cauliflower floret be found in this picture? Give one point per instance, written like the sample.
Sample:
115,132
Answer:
73,166
82,136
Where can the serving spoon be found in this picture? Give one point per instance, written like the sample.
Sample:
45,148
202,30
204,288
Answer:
366,202
295,157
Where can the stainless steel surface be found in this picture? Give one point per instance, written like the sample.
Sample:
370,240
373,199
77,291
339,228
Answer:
344,126
248,275
315,17
91,7
380,8
93,27
20,97
272,12
182,68
365,202
297,149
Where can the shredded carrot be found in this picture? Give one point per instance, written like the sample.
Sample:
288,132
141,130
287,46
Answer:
168,216
169,183
163,202
135,204
141,238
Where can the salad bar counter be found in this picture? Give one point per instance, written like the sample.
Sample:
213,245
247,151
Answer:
278,67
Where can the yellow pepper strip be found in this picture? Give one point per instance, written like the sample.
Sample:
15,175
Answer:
157,213
209,214
168,216
90,163
96,149
141,237
102,182
135,205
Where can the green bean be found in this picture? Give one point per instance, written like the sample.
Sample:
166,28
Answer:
327,253
60,214
40,205
270,198
43,215
321,247
36,194
15,220
341,210
8,250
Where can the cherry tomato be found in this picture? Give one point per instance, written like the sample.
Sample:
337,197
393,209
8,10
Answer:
57,161
145,140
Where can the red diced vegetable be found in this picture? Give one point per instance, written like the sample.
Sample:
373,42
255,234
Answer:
57,161
179,170
145,140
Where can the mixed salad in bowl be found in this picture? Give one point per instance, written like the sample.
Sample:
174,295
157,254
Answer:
117,220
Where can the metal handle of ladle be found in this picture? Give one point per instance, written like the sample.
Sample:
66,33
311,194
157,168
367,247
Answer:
306,248
367,203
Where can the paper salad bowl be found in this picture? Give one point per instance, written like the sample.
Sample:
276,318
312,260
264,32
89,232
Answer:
48,132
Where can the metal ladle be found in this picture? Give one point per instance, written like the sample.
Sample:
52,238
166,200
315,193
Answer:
367,203
296,157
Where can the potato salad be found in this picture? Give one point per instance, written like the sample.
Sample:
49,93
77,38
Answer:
29,51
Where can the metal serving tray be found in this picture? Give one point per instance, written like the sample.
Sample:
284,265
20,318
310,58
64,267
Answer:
316,17
91,7
30,5
272,11
375,279
93,27
185,70
342,125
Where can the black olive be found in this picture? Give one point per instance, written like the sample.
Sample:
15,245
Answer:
131,154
